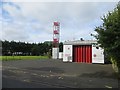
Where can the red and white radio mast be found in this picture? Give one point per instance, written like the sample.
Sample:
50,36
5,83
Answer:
55,50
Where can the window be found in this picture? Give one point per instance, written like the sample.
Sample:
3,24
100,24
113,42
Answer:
97,47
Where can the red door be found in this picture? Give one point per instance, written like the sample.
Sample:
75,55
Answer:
82,53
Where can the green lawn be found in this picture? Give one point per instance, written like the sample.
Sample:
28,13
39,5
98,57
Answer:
6,58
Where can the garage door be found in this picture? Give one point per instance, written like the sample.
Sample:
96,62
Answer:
82,53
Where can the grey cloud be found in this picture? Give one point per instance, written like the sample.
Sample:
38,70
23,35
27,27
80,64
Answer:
76,19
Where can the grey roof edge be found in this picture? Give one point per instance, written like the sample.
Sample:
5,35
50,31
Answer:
79,42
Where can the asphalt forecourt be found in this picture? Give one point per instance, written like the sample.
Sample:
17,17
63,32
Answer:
56,74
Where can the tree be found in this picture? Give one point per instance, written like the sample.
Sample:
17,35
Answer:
36,50
108,35
61,47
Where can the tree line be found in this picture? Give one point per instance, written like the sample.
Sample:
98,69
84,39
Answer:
10,48
108,35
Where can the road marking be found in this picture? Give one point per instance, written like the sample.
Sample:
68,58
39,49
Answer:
108,86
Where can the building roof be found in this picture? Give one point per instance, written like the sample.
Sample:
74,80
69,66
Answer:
79,42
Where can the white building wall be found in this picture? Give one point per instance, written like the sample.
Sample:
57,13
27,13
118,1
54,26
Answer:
67,53
60,55
55,53
97,54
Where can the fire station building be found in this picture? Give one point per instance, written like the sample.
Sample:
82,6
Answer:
83,51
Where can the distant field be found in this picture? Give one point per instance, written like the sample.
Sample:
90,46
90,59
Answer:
6,58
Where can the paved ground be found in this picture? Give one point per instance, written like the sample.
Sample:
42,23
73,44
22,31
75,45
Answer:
56,74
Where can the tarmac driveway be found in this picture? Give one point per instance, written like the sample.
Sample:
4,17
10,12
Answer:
57,74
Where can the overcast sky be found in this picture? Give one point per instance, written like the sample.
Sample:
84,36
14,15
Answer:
33,21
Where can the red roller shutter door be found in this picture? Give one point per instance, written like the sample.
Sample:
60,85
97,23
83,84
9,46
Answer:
86,49
80,48
74,54
82,53
78,54
81,58
90,61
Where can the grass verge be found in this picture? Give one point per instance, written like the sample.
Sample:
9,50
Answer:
7,58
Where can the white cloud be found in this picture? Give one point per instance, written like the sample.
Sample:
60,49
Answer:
14,31
37,38
33,21
62,0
